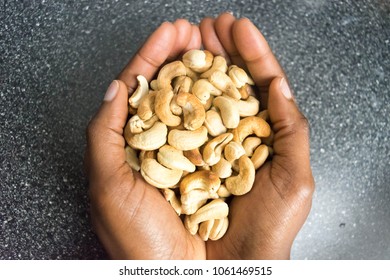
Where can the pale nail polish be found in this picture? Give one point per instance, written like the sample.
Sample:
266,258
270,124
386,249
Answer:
111,91
285,89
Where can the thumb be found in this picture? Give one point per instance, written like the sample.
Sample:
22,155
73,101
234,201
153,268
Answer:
105,152
291,139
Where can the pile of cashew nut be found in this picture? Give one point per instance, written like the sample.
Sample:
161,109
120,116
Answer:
196,132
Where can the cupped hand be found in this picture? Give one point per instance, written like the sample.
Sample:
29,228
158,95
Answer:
264,222
130,217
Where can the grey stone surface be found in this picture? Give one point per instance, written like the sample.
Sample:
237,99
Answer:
58,57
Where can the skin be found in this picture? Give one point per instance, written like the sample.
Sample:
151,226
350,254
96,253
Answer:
133,220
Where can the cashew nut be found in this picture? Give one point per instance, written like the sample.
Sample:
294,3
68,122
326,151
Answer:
219,64
243,182
246,91
153,85
151,139
131,158
222,82
174,159
182,83
233,151
159,176
213,149
264,115
169,72
137,125
162,107
194,156
229,111
223,168
198,60
223,192
248,107
213,229
250,144
251,125
202,89
146,107
186,139
260,156
171,197
204,180
239,77
213,123
141,91
193,110
216,209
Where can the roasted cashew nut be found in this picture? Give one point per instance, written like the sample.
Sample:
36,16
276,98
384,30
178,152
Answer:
213,149
223,168
216,209
251,125
146,107
204,180
203,89
151,139
222,82
260,156
198,60
250,144
140,92
193,110
213,123
219,64
213,229
171,197
138,125
243,182
163,109
239,77
169,72
159,176
174,159
229,111
248,107
132,159
186,139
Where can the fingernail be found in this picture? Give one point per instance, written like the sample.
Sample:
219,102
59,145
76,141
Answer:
285,89
111,91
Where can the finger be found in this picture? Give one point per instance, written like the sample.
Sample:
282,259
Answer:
210,38
183,37
291,139
256,53
223,28
105,154
150,56
196,40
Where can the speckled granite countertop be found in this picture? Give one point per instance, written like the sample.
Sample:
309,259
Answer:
58,57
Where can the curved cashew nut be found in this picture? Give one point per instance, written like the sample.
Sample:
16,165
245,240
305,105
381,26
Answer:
248,107
159,176
153,85
182,83
169,72
194,156
213,123
216,209
260,156
213,149
175,108
147,154
174,159
233,151
229,111
223,168
193,110
222,82
186,139
191,201
213,229
141,91
171,197
251,125
151,139
132,159
239,77
223,192
250,144
137,125
219,64
146,107
198,60
264,115
246,91
162,107
243,182
200,180
202,89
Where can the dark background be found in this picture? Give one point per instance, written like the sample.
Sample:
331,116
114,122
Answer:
58,57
